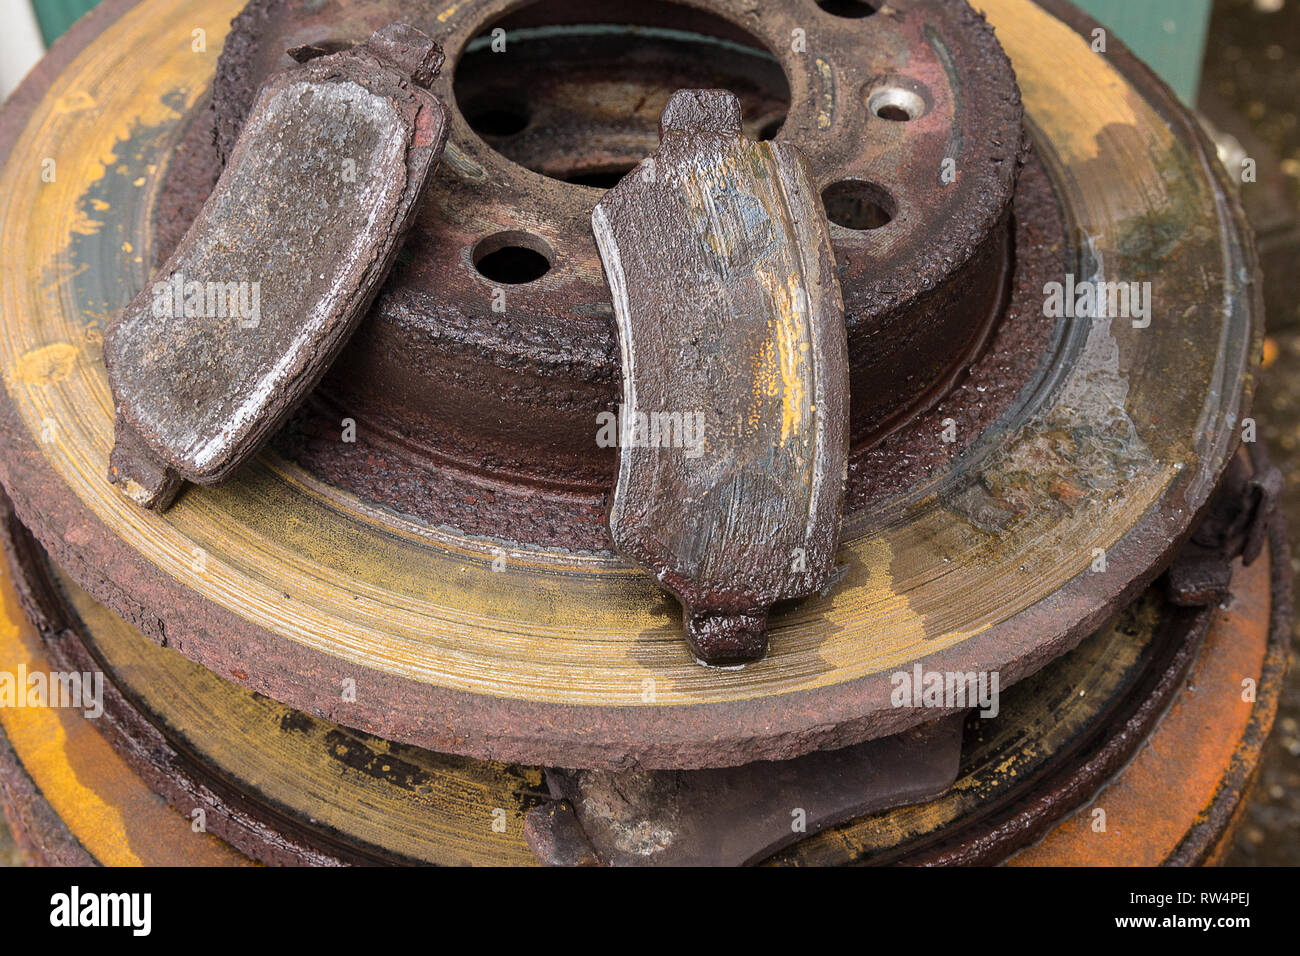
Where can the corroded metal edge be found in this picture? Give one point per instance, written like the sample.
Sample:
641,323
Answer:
737,816
1209,838
166,769
1075,777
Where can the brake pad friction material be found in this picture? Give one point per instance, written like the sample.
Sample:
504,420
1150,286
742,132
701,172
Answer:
278,267
734,425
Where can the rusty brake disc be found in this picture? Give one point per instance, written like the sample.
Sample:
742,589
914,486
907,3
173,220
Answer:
301,577
285,787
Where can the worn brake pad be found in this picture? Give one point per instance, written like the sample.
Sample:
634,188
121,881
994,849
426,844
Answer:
279,265
734,423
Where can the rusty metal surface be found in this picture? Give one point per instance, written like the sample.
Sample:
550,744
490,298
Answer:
739,815
1236,526
1181,812
72,799
1044,723
1096,699
41,837
518,392
549,658
556,838
1074,775
280,786
491,428
734,420
279,265
437,487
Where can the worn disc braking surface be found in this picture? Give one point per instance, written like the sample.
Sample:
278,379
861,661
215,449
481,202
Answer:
481,646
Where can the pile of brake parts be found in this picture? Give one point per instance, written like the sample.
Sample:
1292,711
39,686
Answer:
611,433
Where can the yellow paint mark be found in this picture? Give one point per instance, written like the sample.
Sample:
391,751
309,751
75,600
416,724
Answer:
48,364
74,102
1271,351
448,13
827,100
83,225
786,353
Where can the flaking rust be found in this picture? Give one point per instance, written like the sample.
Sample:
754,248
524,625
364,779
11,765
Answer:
734,423
279,266
734,816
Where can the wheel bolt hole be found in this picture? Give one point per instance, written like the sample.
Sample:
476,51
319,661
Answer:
512,258
849,9
858,205
896,104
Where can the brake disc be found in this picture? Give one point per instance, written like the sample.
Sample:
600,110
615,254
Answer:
285,787
445,580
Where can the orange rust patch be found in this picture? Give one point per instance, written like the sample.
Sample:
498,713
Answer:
1172,781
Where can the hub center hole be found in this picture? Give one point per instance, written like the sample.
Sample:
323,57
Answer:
574,90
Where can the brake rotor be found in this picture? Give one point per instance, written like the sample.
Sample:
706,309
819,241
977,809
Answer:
346,605
284,787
